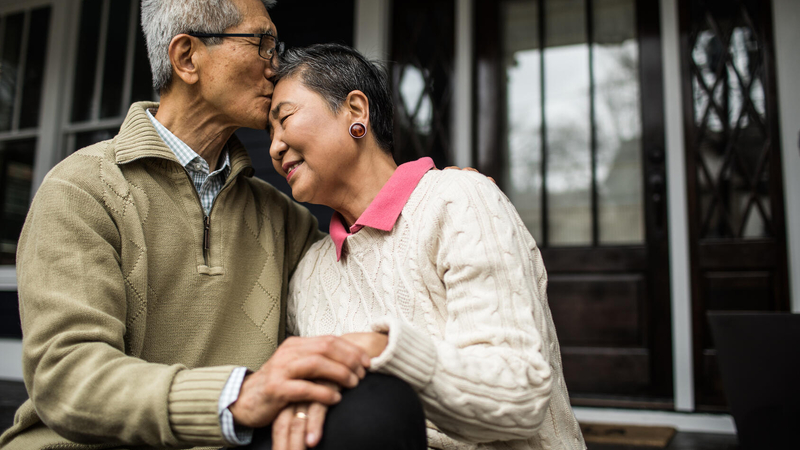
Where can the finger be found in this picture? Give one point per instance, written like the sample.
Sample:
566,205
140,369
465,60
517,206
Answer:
470,169
280,428
319,367
453,167
297,433
316,419
332,347
294,391
492,180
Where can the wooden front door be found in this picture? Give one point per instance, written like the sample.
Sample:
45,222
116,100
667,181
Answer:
733,163
570,122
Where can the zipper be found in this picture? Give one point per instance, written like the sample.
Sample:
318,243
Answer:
206,235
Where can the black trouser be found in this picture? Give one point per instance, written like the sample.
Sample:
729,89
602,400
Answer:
382,412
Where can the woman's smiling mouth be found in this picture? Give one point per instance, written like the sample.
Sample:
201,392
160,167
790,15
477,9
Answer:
290,168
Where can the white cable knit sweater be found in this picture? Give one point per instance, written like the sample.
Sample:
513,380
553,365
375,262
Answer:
460,287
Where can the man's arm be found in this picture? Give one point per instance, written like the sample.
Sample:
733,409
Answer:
83,383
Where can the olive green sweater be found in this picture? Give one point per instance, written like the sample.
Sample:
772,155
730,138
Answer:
132,319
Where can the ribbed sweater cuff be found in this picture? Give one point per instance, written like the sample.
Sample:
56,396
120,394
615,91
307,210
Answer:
194,405
410,355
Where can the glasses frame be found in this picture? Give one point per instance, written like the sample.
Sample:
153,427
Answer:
277,49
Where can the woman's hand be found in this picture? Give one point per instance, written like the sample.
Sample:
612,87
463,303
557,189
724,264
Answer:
373,343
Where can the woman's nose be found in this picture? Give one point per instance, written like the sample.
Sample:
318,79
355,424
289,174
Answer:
277,148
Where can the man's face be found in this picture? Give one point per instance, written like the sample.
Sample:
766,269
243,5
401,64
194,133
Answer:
234,79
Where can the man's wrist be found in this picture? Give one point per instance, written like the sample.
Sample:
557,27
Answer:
234,434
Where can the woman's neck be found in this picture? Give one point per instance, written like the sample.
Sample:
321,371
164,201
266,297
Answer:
365,181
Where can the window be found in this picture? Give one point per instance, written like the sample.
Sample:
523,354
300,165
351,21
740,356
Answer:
23,42
111,70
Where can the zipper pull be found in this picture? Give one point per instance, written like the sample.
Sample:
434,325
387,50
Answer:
206,231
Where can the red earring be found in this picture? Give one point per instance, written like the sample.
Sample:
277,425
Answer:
358,130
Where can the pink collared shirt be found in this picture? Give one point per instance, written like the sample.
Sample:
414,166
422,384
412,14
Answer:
384,210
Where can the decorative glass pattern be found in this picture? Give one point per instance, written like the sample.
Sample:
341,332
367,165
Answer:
422,79
732,144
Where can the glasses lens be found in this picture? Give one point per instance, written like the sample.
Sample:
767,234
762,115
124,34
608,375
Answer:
267,48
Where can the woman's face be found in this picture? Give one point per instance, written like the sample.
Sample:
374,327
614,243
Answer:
311,145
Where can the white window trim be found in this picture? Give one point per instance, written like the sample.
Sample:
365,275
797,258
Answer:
683,365
786,16
53,87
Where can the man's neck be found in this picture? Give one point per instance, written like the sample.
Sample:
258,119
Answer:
196,125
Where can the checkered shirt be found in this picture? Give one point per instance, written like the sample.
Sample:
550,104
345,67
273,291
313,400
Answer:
208,186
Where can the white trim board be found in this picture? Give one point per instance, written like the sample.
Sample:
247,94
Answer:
11,359
683,375
705,423
786,16
8,278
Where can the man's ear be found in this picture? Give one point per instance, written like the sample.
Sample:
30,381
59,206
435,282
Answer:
357,105
182,53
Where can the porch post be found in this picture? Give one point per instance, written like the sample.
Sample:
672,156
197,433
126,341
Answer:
371,28
786,16
462,100
683,380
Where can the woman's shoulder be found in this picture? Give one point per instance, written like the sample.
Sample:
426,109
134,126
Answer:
452,185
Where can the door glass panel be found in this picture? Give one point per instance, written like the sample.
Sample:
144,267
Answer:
617,122
16,173
422,72
573,120
34,68
524,111
567,115
9,67
731,141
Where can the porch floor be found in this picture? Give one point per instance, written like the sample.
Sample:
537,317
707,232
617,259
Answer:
12,394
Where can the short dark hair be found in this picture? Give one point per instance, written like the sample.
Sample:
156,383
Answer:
333,71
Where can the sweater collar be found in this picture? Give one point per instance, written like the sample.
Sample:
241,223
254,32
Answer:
383,212
138,139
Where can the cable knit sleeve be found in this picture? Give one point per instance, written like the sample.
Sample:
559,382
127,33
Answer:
489,378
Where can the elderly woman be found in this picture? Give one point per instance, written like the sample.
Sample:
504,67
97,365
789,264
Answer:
434,269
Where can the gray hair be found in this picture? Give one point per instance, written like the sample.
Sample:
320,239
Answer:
162,20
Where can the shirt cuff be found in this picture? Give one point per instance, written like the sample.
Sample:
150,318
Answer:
233,434
410,355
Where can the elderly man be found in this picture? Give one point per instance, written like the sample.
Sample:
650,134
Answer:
153,268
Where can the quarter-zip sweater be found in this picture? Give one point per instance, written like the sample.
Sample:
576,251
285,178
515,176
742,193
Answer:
130,326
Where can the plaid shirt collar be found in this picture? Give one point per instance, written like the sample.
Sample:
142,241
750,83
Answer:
188,158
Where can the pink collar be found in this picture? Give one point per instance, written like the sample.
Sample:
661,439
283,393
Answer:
384,210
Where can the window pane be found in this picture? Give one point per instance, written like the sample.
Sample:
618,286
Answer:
617,122
522,54
34,68
88,138
12,40
567,118
116,52
16,173
86,64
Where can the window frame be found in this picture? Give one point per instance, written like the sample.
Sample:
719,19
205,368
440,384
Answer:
55,134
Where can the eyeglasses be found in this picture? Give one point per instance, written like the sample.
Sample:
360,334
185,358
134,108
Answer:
267,47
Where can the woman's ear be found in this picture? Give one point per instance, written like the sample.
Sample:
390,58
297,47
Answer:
357,106
182,54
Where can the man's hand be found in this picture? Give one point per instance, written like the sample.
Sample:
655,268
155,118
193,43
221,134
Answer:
299,426
285,378
469,169
373,343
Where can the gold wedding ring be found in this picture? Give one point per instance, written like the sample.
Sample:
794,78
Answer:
301,415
